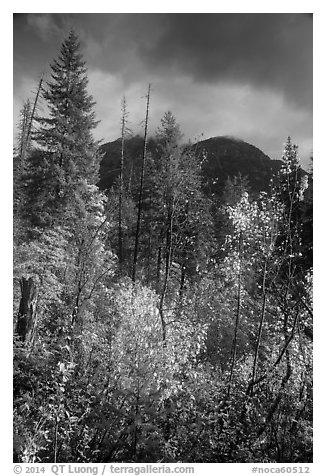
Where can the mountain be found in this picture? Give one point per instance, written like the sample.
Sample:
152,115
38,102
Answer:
221,157
110,162
228,157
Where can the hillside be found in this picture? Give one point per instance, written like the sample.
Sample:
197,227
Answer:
228,157
223,157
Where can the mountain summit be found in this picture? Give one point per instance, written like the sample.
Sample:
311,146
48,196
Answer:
221,157
227,156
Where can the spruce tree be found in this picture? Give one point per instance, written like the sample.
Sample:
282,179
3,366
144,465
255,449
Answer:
68,131
69,152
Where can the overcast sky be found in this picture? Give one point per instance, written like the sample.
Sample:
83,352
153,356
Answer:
245,75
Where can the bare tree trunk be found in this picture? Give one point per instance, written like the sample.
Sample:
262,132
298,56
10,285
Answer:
136,427
123,131
130,178
182,280
32,116
262,318
55,445
26,114
158,268
27,310
149,249
167,271
140,199
237,319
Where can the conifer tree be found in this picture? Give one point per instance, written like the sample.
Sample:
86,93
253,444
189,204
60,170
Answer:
68,131
69,151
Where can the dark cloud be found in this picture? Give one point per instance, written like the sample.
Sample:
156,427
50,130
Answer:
248,75
269,50
37,39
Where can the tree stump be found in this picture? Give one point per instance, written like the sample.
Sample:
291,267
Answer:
27,309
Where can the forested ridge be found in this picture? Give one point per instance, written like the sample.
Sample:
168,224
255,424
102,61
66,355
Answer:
162,303
221,158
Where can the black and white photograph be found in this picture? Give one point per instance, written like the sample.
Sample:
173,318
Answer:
162,240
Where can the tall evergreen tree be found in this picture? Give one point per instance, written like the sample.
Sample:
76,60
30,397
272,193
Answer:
68,155
67,133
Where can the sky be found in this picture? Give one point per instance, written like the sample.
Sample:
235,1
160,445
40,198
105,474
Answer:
246,75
